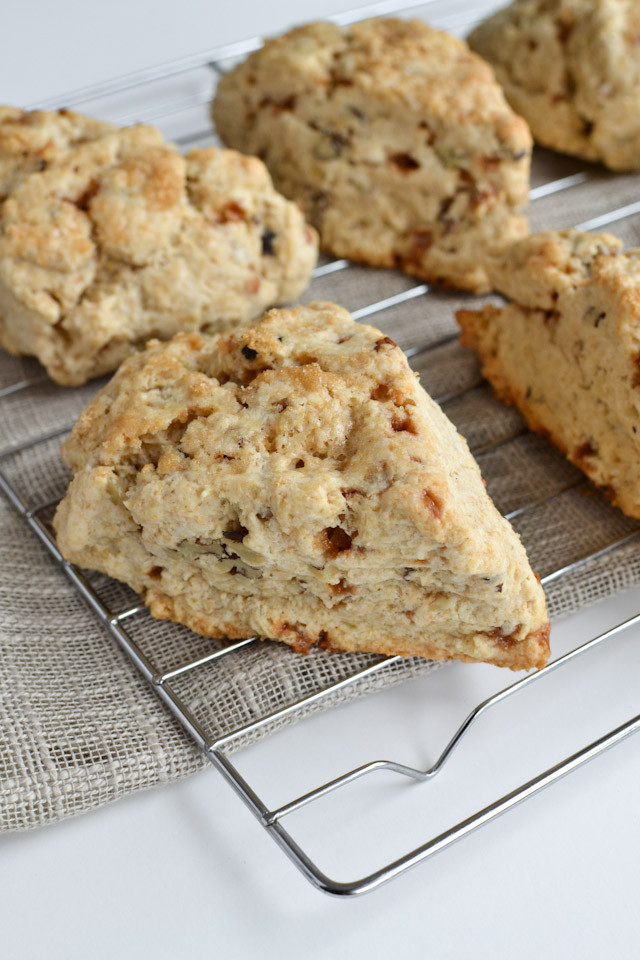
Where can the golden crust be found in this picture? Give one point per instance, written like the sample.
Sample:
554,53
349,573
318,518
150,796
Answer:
31,140
527,654
122,239
394,138
566,350
292,480
571,69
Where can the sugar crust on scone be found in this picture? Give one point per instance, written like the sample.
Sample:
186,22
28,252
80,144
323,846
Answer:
566,350
31,140
394,138
292,480
571,68
122,239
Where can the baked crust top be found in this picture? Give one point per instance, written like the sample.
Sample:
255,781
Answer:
394,138
123,239
30,140
571,68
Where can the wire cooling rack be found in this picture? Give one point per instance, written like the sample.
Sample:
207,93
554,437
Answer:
175,96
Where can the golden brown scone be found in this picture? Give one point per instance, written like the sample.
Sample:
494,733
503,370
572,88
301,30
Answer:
30,140
566,350
571,68
292,480
123,239
394,138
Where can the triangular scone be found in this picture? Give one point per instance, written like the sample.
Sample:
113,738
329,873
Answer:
393,137
566,350
571,69
293,480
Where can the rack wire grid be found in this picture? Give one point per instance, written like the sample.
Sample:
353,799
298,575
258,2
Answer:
176,95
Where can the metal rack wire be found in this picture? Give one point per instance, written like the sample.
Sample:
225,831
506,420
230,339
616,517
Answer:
163,681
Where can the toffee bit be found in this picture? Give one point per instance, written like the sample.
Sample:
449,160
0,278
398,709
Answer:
268,236
583,453
564,27
335,540
403,425
232,212
279,106
404,162
236,535
338,538
433,504
421,239
587,126
84,200
593,316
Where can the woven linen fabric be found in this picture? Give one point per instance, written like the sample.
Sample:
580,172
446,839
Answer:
78,725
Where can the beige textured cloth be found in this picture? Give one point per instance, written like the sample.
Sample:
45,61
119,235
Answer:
79,727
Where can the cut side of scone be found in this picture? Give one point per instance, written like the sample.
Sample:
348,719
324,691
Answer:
571,69
394,138
121,239
566,350
292,480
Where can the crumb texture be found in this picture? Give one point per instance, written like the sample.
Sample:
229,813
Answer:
566,350
291,479
571,69
394,138
109,237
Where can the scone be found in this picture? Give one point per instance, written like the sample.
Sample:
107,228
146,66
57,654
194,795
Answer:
572,69
292,480
30,140
123,239
566,350
394,138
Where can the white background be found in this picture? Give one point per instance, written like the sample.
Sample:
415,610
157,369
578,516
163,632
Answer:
184,871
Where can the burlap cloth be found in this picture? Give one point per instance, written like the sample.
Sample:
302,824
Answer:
79,727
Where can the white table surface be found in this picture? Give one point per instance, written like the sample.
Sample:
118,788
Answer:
184,870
